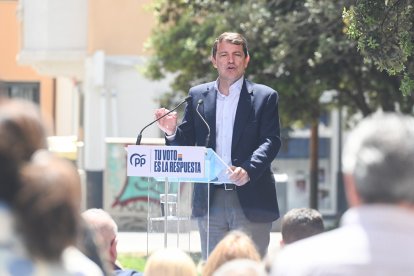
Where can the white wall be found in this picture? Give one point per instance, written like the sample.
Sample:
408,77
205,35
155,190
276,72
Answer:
133,98
54,36
67,107
119,102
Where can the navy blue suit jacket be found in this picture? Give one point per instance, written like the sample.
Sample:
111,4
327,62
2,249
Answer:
256,142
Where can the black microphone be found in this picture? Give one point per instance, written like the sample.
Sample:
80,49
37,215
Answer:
200,102
138,142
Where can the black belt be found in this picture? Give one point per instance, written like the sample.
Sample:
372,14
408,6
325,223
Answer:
226,186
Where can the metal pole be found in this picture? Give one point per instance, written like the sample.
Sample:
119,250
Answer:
166,212
341,200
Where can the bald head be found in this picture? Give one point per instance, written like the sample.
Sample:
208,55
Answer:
105,229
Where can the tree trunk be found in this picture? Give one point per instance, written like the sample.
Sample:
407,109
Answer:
314,167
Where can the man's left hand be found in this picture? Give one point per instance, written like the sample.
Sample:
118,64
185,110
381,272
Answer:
239,176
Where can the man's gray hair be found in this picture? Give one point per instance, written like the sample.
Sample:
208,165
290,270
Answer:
101,222
379,153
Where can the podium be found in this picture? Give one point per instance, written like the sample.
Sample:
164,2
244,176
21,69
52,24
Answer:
171,172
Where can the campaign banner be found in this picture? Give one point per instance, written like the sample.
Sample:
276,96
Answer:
166,161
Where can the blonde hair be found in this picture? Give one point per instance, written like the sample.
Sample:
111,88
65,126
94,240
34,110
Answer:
241,267
235,245
171,262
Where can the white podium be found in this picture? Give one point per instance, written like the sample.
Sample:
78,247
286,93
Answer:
171,172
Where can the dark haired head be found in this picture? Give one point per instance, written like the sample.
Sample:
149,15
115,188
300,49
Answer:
233,38
21,133
301,223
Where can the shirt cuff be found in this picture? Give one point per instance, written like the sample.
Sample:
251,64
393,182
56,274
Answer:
170,137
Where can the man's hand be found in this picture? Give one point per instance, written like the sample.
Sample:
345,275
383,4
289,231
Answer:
168,124
239,176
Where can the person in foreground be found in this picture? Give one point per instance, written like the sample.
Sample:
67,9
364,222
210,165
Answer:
300,223
297,224
241,267
244,130
235,245
26,248
49,217
171,262
376,233
22,132
106,231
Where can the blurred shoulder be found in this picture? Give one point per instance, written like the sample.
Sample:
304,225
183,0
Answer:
127,272
77,263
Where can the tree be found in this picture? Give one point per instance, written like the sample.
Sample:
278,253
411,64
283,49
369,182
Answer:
297,47
384,31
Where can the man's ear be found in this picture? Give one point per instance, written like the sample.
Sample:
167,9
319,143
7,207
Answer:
246,62
213,61
113,253
352,195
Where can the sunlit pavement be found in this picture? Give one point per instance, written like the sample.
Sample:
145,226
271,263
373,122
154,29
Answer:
143,243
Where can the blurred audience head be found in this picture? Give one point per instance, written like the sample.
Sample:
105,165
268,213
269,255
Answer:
241,267
300,223
21,133
235,245
106,231
48,205
171,262
378,160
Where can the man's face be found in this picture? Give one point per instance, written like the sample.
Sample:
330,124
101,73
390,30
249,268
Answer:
230,61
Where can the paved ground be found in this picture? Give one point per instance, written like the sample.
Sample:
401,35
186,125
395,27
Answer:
143,243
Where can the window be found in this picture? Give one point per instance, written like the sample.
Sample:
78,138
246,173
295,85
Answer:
26,90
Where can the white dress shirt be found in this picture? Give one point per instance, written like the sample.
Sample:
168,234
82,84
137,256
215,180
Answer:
226,107
375,239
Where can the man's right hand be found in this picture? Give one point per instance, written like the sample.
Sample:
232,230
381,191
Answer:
168,124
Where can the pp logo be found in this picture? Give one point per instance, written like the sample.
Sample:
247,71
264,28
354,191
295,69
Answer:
137,159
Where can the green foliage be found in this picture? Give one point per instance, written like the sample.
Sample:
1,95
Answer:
300,48
349,21
132,261
137,261
407,85
384,31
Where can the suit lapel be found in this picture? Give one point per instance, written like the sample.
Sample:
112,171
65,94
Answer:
242,114
209,111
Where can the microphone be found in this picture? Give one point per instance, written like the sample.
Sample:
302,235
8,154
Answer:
138,142
200,102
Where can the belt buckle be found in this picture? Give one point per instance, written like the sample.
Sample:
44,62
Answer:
231,188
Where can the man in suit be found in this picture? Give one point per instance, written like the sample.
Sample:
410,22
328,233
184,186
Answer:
243,119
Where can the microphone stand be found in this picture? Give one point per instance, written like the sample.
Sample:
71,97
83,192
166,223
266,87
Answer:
139,137
200,102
